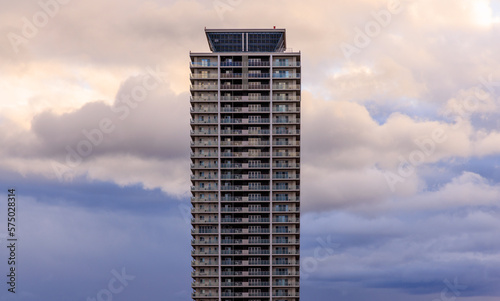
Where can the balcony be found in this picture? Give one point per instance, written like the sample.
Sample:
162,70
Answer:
286,177
204,221
205,295
202,64
286,284
244,143
284,294
286,187
204,210
258,63
199,166
286,64
286,75
204,200
204,155
291,273
290,252
206,284
286,87
204,143
245,220
245,154
199,188
286,165
286,132
286,209
202,133
204,99
204,87
286,263
231,75
204,274
230,64
203,76
286,143
286,98
258,87
286,110
286,242
286,154
231,87
198,253
244,110
204,242
204,231
257,75
245,98
245,209
202,121
203,110
286,120
205,263
245,199
286,220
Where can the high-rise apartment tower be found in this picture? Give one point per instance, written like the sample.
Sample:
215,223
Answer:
245,163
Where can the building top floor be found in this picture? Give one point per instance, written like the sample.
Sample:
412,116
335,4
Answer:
246,40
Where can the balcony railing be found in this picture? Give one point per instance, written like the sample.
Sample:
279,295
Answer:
286,64
286,143
284,120
209,220
286,132
286,177
204,155
286,199
203,98
198,188
199,166
286,98
287,187
204,143
204,87
203,64
286,75
286,87
286,110
203,110
285,220
199,121
286,154
286,165
203,132
203,76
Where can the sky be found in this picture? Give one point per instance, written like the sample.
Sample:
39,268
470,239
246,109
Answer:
400,145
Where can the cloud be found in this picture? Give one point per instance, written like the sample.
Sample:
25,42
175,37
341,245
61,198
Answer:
362,117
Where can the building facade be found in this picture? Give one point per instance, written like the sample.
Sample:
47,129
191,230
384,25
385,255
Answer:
245,163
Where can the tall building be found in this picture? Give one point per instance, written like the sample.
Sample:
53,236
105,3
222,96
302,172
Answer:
245,163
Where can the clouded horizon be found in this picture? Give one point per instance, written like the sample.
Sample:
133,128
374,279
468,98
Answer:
400,144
